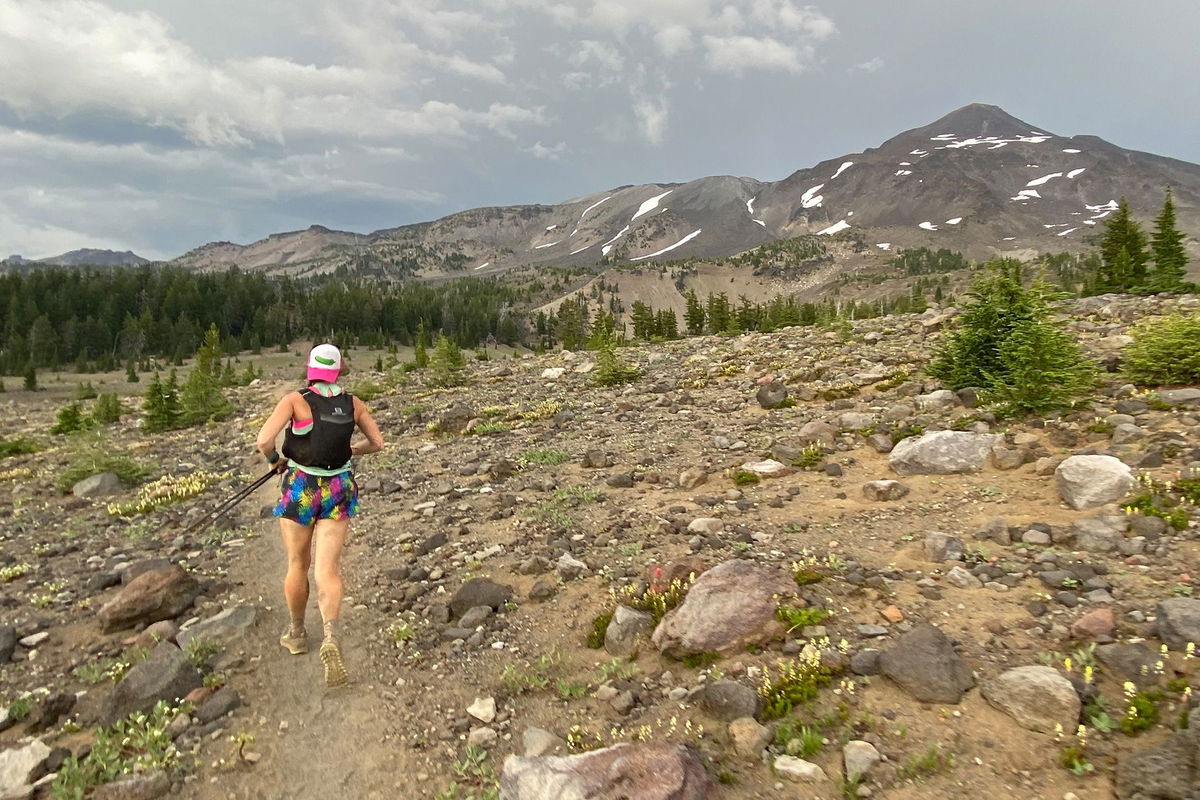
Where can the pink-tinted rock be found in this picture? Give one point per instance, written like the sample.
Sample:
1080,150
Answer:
1096,624
162,631
625,771
730,606
152,596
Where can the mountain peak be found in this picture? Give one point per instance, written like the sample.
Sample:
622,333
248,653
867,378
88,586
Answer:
975,119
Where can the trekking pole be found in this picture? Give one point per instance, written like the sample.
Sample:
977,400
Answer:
238,497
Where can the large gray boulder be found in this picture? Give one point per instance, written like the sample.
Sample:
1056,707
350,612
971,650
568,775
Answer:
644,771
165,675
1179,622
152,596
943,453
229,625
1091,481
479,592
924,664
626,625
102,485
1037,697
1169,770
8,643
730,606
18,765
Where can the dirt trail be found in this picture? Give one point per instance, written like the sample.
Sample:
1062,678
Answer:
315,742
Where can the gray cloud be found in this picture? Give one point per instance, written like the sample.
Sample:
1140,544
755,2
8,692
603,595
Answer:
160,125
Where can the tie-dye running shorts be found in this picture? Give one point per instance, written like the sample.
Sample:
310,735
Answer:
308,498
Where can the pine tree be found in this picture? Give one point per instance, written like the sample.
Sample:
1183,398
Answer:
694,314
642,317
131,375
155,406
1123,235
611,369
31,381
108,408
1170,257
173,411
447,363
420,352
201,396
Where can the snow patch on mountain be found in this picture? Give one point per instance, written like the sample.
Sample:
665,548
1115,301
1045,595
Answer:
1044,179
750,206
544,246
650,205
1068,230
810,198
669,248
845,166
836,227
1027,194
884,245
954,221
929,226
1076,172
484,264
580,250
1071,150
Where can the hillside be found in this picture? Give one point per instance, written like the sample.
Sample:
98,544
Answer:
878,588
977,180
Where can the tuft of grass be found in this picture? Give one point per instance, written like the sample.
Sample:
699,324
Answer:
544,457
742,477
811,457
20,708
797,618
474,778
659,598
199,651
490,428
535,676
798,739
792,683
595,637
930,762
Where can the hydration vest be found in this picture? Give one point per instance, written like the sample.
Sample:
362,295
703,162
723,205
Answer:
327,443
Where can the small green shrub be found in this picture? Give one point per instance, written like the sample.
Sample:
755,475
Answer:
611,369
136,744
545,457
659,598
798,739
17,446
199,652
1141,711
71,419
791,684
811,457
108,408
20,708
91,456
1164,351
930,762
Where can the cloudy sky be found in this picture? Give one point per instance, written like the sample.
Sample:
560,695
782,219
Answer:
160,126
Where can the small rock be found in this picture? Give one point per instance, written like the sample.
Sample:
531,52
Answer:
483,709
884,490
1179,622
102,485
798,770
941,547
958,576
539,742
859,757
749,737
1037,697
1096,624
482,737
729,700
923,663
1091,481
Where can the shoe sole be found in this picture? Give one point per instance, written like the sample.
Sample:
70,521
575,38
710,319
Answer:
293,647
335,670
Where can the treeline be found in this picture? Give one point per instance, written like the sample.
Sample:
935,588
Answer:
98,319
574,325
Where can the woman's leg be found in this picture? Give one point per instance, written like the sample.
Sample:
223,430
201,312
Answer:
297,540
328,538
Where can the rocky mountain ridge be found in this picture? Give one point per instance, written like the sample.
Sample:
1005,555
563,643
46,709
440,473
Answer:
977,180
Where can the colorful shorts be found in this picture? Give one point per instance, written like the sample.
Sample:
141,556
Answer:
308,498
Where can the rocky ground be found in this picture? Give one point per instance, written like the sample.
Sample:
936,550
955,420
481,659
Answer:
959,593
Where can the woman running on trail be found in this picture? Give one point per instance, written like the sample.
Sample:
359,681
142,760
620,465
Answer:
319,495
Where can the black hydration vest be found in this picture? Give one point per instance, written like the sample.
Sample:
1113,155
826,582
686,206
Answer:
327,444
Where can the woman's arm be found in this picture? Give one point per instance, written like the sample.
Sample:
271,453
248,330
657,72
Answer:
366,424
274,424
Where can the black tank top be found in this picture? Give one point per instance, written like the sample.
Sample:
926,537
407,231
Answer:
327,444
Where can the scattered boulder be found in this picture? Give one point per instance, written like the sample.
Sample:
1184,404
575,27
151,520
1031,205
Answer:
749,737
483,709
50,711
19,768
1179,622
769,468
228,626
798,770
644,771
772,395
152,596
142,786
1091,481
943,453
225,700
691,478
859,757
102,485
166,674
479,592
883,491
729,700
626,625
817,432
539,742
1180,397
730,606
1037,697
1099,623
940,547
958,576
923,663
706,525
456,418
8,643
1167,771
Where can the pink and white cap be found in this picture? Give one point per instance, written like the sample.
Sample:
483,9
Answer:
324,363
